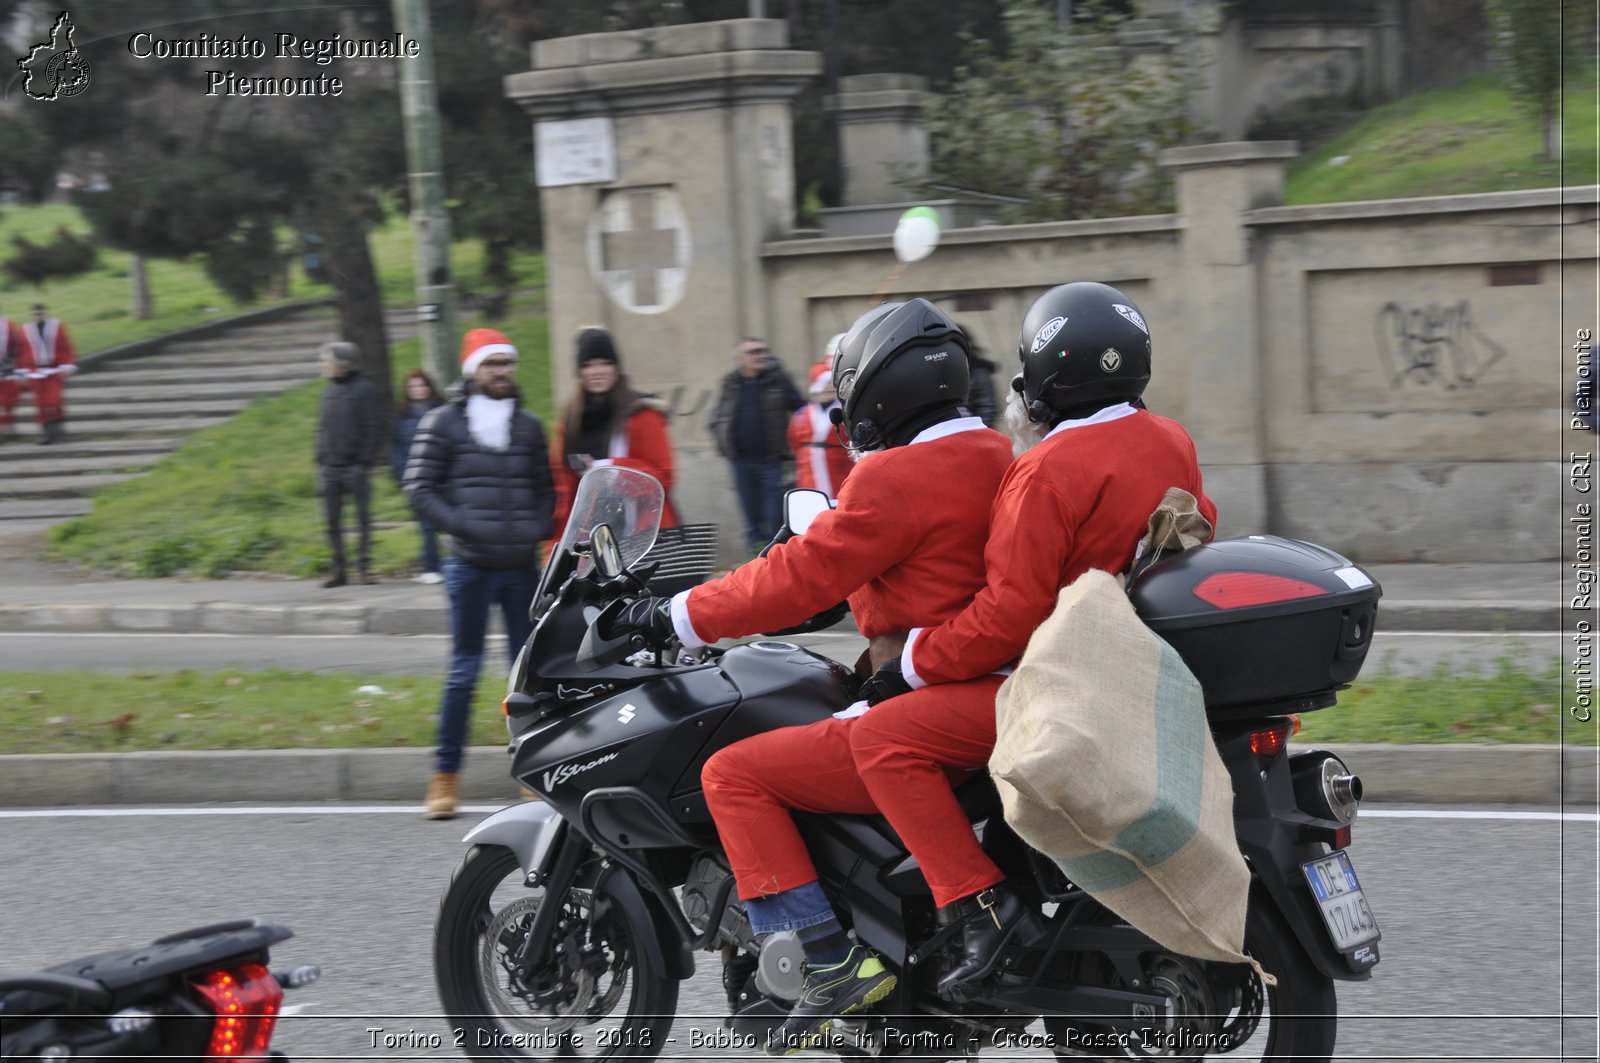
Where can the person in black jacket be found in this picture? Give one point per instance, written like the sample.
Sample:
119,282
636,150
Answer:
480,472
750,424
349,442
420,396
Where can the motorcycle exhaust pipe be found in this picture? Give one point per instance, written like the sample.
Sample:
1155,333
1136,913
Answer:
1324,787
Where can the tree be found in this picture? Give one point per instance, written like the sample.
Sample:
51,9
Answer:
1060,123
1533,42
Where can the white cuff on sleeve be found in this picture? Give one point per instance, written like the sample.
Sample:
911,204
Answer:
680,622
908,670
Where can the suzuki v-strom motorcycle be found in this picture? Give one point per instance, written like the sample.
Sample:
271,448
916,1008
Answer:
570,923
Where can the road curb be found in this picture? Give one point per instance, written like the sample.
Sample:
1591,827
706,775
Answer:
1399,774
266,619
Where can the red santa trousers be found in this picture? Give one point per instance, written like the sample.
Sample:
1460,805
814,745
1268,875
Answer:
47,394
10,391
916,748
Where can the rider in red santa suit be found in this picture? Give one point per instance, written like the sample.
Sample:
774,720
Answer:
1081,499
48,359
11,374
902,559
821,461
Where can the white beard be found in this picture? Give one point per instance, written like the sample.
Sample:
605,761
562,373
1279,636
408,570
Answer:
1025,434
489,421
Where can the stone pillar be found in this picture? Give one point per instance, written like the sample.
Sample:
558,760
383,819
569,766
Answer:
685,171
883,145
1217,185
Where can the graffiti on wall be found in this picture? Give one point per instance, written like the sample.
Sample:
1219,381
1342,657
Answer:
1436,345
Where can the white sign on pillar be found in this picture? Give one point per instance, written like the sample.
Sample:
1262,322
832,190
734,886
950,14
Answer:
577,152
639,249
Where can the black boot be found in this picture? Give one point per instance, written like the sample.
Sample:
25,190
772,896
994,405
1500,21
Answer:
994,919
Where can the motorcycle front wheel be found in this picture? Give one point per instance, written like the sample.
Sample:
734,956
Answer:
597,996
1234,1016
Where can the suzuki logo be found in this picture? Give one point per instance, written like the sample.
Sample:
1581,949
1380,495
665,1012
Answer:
626,714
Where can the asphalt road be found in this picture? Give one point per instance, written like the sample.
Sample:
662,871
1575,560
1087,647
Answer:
1402,653
1489,925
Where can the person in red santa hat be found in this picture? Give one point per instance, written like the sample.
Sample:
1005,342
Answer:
902,546
47,358
479,471
1080,499
608,423
821,460
11,375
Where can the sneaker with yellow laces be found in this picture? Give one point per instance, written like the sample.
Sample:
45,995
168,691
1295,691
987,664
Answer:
857,982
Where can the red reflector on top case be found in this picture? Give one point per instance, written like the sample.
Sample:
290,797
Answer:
1236,590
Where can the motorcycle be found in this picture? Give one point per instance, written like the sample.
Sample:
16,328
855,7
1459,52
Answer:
204,994
570,923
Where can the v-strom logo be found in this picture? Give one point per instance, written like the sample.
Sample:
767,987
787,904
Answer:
556,776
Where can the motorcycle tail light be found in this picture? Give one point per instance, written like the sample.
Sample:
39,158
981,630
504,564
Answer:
1239,590
1270,742
245,1001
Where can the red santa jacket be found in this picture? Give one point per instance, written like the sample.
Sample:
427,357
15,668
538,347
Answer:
13,348
1081,499
902,546
53,349
641,443
820,460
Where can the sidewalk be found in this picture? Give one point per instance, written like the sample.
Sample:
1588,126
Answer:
52,596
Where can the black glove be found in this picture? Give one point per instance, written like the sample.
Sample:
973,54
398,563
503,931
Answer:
651,617
887,682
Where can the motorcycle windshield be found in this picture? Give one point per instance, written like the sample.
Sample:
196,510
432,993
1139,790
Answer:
626,500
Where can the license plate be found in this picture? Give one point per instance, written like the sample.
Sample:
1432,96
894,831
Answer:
1344,907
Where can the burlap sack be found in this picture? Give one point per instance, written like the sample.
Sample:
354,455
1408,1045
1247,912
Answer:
1105,763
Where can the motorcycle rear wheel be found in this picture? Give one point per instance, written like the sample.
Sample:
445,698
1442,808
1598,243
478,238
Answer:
612,1004
1298,1022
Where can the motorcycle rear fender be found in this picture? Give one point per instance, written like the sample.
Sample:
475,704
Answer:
530,829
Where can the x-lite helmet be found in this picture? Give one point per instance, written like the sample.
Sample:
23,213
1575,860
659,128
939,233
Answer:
896,361
1082,345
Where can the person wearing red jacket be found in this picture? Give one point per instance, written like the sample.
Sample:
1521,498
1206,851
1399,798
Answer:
11,375
1079,500
608,423
47,358
821,461
902,377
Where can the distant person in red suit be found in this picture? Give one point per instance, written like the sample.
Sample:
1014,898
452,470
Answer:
11,375
48,359
608,423
821,460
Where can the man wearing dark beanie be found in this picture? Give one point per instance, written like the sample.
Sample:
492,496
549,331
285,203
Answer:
606,422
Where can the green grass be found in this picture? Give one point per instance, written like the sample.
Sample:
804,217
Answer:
241,497
1471,137
1497,702
60,712
57,712
97,306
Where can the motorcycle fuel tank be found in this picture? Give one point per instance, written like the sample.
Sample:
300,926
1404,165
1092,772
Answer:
1263,622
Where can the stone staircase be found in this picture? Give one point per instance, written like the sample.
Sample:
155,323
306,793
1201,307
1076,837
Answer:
123,416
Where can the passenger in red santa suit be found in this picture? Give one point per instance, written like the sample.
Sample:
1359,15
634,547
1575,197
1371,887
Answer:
1080,499
11,374
47,357
903,545
821,461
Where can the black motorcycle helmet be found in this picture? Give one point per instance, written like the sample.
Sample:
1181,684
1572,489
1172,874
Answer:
1083,345
897,361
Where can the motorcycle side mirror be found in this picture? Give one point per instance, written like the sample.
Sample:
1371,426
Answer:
607,555
597,651
803,505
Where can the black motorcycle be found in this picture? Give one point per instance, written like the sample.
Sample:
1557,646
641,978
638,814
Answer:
205,994
570,923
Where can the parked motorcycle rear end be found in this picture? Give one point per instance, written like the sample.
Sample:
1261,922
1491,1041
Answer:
571,922
203,994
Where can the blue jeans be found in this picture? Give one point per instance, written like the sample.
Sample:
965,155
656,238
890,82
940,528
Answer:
472,591
793,909
760,487
430,546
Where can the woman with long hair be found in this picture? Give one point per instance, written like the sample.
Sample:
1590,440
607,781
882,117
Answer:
418,396
606,422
